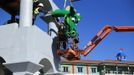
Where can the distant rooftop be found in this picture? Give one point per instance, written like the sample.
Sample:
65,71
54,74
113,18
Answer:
98,62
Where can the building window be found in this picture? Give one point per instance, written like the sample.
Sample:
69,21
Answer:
80,69
65,69
93,70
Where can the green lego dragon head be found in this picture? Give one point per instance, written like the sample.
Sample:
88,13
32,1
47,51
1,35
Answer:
75,16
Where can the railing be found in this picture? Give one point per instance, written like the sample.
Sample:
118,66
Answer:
119,73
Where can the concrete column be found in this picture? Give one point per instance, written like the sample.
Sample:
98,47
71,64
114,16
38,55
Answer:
52,25
104,67
52,31
128,70
26,9
116,69
103,71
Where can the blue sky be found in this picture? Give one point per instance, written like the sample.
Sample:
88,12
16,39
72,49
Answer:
95,15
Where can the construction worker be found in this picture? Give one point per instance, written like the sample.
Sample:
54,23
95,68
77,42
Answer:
71,19
37,8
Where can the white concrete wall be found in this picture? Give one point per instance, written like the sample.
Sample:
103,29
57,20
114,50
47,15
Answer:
25,44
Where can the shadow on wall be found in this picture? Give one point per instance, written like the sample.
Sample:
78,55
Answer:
54,50
47,66
3,69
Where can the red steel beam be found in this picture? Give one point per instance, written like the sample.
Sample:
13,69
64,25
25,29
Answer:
123,28
102,34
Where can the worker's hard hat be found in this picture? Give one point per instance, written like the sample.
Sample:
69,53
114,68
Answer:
40,4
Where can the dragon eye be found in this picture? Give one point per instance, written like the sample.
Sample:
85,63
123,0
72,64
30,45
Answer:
73,19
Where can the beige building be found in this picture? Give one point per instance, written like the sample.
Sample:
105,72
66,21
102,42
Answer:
97,67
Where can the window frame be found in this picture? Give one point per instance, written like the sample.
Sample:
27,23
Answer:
65,69
80,69
94,69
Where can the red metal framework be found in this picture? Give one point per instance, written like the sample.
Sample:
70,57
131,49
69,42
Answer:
75,54
102,34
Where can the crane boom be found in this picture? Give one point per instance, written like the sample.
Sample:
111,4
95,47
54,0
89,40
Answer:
102,34
123,28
